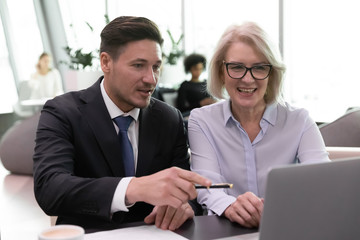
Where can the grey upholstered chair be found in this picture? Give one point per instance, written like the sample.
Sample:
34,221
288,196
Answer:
24,94
17,146
344,131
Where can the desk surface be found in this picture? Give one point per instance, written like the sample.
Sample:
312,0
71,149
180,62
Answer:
200,228
18,207
211,227
21,217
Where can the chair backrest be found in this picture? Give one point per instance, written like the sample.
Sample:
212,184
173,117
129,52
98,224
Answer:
24,90
17,146
344,131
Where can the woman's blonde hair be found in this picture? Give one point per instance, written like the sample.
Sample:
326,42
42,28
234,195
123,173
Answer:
256,37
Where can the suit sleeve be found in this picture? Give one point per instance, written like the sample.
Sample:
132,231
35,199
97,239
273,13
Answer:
60,190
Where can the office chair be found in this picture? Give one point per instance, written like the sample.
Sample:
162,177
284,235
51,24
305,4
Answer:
344,131
17,146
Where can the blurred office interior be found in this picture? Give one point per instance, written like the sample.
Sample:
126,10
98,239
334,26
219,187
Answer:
318,41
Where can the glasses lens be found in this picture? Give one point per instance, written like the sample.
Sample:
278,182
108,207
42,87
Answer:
236,70
260,72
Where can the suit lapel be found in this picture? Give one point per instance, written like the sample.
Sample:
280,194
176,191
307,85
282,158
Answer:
96,114
150,126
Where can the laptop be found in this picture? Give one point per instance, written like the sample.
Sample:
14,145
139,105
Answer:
313,201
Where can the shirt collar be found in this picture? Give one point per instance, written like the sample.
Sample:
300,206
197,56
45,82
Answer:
270,113
227,112
113,110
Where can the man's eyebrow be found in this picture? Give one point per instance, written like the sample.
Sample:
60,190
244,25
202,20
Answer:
139,60
142,60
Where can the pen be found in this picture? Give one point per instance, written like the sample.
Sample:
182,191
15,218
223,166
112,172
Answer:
219,185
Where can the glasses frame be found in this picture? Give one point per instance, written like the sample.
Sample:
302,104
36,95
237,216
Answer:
247,69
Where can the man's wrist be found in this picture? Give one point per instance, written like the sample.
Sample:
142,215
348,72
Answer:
133,192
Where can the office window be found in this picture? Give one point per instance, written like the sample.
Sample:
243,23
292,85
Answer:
205,21
8,93
23,36
167,14
82,26
26,37
321,50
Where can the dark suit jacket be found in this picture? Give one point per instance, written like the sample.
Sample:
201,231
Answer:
77,160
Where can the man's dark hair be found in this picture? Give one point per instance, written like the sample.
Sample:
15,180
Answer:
125,29
192,60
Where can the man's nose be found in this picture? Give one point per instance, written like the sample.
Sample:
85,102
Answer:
150,77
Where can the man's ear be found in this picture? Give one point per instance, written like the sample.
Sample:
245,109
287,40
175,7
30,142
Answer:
105,62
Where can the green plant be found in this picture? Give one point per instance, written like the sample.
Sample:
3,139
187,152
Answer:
176,50
79,60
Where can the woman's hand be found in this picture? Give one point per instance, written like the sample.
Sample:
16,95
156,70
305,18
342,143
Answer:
246,210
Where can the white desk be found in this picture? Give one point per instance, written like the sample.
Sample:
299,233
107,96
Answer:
27,108
34,102
20,215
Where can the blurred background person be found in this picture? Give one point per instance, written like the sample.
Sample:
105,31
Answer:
193,94
241,139
46,81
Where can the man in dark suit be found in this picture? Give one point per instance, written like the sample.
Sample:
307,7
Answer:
79,172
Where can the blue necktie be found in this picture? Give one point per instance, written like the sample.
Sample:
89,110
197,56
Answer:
127,151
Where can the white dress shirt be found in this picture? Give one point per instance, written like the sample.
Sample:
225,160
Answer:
118,203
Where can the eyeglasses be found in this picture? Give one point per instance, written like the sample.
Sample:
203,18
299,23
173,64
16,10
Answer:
238,71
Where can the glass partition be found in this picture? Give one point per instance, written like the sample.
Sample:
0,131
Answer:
8,95
321,49
26,37
21,42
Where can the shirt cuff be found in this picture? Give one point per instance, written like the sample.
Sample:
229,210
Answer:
118,202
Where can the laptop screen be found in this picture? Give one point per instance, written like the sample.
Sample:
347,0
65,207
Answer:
314,201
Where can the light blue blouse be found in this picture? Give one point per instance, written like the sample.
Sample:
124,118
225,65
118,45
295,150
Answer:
222,151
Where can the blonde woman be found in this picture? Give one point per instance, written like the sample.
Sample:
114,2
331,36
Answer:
46,81
240,139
